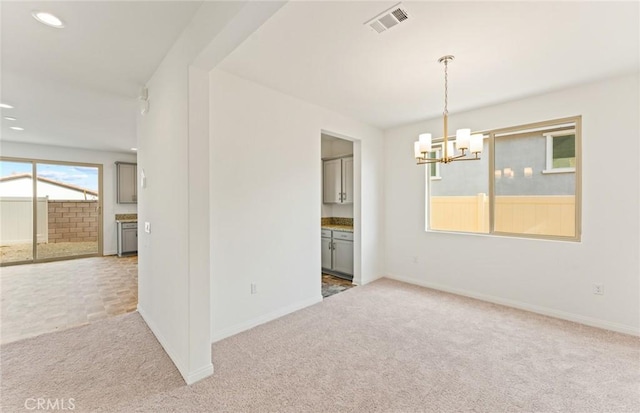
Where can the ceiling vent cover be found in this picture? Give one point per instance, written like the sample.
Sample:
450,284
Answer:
388,18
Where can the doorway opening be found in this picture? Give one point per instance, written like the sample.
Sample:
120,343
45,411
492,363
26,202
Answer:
338,195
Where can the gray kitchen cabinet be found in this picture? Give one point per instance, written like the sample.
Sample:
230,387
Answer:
337,181
347,180
326,253
127,237
126,178
343,256
337,253
130,240
332,181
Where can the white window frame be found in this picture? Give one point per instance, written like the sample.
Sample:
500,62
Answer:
437,149
549,168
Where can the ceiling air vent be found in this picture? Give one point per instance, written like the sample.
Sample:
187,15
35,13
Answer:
388,18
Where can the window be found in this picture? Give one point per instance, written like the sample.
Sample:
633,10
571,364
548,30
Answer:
526,184
434,168
458,200
561,151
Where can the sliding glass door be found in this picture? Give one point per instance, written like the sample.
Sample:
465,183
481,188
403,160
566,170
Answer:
72,210
64,202
16,212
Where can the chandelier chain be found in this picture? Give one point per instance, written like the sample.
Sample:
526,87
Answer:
446,86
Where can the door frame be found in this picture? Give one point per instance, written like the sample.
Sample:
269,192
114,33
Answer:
34,195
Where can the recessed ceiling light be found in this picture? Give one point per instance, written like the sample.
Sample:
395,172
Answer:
16,128
5,106
10,118
134,149
48,19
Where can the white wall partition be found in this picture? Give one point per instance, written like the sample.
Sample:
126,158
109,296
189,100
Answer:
173,261
549,277
266,197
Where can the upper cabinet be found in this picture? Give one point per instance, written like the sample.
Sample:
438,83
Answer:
337,181
347,180
126,179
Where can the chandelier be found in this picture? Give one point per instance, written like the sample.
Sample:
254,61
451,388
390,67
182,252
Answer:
466,144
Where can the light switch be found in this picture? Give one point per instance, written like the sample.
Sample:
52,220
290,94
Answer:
147,227
143,179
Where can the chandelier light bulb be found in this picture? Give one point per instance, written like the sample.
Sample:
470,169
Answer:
425,142
463,137
476,143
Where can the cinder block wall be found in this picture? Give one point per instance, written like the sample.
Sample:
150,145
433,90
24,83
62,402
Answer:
73,221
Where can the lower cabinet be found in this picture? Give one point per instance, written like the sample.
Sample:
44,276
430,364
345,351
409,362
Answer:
129,240
127,237
337,253
343,256
326,253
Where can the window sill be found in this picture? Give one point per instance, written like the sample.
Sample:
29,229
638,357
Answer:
559,171
436,178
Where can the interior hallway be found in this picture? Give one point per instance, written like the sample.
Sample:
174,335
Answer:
53,296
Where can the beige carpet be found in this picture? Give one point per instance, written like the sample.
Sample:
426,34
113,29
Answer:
383,347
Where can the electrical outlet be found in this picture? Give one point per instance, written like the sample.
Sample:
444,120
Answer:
147,227
598,289
254,288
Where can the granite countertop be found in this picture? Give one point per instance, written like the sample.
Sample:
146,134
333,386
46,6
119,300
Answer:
337,223
346,228
126,217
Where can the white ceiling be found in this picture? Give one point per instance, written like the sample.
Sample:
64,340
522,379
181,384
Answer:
78,86
322,52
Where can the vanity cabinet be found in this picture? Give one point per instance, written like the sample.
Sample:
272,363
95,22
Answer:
337,253
126,178
337,180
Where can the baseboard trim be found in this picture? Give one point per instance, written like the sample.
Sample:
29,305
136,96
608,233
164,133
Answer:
165,344
265,318
189,377
590,321
199,374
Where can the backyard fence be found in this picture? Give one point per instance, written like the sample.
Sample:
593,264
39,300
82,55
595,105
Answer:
16,220
57,221
548,215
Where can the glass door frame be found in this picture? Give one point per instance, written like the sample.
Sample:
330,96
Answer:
34,235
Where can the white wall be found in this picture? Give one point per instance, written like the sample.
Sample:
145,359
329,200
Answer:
107,159
549,277
265,201
173,138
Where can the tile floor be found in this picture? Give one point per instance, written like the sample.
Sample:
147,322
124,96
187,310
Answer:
46,297
333,285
